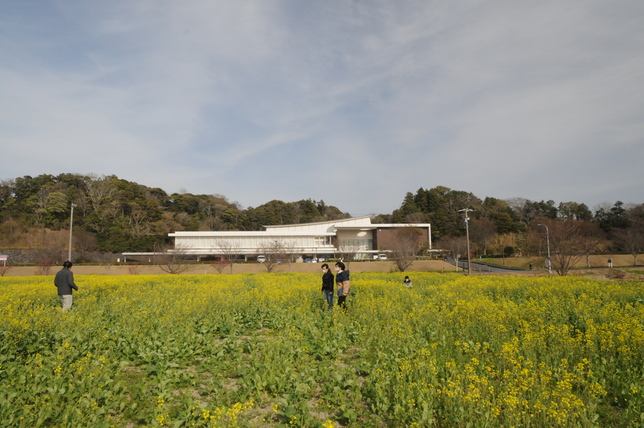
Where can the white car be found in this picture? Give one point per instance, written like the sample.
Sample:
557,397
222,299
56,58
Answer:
261,259
382,257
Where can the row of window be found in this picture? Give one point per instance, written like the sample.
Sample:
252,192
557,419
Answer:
352,245
254,242
323,240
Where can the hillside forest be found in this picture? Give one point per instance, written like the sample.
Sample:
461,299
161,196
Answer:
113,215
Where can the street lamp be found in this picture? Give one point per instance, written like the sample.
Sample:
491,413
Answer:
467,232
71,224
548,242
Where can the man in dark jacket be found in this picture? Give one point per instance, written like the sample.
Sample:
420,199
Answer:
64,281
327,285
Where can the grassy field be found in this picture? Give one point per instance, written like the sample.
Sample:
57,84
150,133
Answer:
260,350
597,262
238,268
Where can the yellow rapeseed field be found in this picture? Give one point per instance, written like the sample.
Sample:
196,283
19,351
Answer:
261,350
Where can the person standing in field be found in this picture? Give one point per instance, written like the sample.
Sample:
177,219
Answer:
407,281
64,281
344,284
327,285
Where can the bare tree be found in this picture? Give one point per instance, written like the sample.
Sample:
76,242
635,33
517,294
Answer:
174,261
229,251
99,199
590,232
568,244
632,240
404,246
535,240
288,249
274,252
44,266
134,269
219,265
99,190
138,223
457,246
348,250
6,267
107,261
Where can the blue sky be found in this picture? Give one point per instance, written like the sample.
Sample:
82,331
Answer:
351,102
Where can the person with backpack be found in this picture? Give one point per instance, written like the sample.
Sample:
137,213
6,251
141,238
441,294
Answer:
344,284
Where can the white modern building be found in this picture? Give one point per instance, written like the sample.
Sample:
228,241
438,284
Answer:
327,239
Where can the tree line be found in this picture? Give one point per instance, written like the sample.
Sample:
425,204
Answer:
113,215
519,226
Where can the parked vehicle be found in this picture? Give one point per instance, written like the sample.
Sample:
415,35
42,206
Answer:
261,259
382,257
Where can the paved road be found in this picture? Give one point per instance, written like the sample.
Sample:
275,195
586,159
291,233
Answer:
485,267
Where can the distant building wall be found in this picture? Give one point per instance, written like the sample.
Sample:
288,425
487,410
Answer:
385,238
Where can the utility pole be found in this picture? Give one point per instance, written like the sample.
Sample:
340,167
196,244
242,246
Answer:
548,243
467,232
71,225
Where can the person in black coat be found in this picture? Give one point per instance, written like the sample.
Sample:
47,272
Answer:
327,285
64,281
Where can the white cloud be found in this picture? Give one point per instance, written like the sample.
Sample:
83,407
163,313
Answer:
347,101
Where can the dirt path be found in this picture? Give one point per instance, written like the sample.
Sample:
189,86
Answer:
623,272
201,269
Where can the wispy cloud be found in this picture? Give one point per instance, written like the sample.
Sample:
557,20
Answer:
352,102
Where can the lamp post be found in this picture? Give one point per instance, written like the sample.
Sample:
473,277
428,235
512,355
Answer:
71,225
467,232
548,243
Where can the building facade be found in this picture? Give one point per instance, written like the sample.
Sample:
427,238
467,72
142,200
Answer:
328,239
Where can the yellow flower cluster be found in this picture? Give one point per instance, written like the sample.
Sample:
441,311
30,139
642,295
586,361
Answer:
224,417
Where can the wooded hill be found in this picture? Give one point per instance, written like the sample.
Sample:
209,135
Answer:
115,215
520,226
